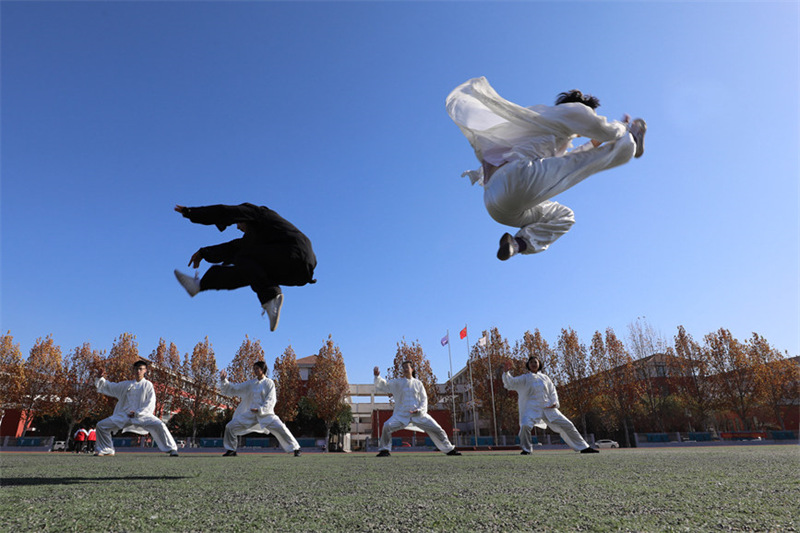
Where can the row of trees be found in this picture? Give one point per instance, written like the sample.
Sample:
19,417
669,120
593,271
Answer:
48,385
647,384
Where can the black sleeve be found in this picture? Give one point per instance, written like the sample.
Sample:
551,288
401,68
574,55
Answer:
221,253
221,215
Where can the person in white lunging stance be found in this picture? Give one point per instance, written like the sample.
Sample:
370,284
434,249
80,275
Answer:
133,412
410,411
256,412
538,407
526,159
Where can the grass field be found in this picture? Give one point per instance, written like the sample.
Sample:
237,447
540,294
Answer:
732,488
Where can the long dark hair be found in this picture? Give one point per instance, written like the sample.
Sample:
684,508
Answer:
576,96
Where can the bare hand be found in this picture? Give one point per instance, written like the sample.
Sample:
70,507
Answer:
181,209
223,374
253,410
376,371
195,260
131,414
101,373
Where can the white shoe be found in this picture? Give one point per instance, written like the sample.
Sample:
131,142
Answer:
273,310
638,128
103,454
191,284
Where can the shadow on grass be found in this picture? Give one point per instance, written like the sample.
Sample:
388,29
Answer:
35,481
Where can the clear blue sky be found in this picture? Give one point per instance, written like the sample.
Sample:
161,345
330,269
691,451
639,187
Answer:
333,114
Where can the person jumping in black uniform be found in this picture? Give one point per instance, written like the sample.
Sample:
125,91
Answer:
272,252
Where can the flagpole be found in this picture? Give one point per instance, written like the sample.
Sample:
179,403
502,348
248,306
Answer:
452,386
472,387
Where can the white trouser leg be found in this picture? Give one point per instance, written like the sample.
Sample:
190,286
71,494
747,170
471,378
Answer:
233,429
516,188
391,425
545,223
103,431
281,432
561,424
158,430
434,431
525,441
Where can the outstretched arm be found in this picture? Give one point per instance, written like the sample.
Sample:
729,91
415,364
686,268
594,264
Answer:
219,215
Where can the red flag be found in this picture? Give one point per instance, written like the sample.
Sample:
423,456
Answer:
464,332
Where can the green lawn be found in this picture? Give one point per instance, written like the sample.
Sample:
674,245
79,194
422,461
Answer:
732,488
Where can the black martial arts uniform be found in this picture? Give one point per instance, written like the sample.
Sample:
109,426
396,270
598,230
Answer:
271,252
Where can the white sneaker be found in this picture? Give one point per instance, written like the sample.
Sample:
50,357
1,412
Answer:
191,284
273,310
104,454
638,128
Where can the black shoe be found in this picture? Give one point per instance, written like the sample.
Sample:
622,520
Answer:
297,453
454,452
590,450
506,249
229,453
523,452
383,453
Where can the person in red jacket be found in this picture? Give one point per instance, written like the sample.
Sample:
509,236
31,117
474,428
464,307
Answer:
272,252
79,438
91,439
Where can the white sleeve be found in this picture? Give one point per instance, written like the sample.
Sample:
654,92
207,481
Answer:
381,385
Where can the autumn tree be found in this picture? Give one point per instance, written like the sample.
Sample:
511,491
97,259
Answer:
616,385
12,374
488,359
422,368
776,377
575,392
241,367
654,376
288,385
694,384
327,385
79,393
201,376
43,381
166,374
734,374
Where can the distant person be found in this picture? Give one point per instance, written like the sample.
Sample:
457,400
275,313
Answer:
91,439
272,252
256,411
538,407
410,411
133,412
525,158
79,439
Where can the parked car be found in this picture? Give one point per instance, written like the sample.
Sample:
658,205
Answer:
606,443
59,446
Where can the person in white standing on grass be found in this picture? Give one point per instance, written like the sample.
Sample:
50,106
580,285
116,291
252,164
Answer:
538,407
525,157
256,412
133,412
410,410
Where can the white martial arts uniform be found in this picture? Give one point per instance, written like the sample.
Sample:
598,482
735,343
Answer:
139,397
259,395
409,396
530,145
536,394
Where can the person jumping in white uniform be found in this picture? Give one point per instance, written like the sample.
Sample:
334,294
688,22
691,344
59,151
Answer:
133,412
525,159
256,412
410,411
538,407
